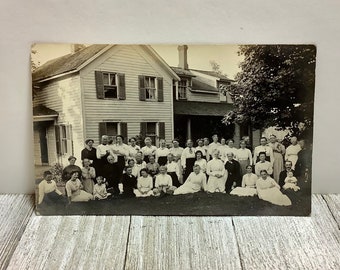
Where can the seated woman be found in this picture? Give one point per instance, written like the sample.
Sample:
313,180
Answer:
196,181
291,182
248,186
200,161
88,174
74,190
217,174
49,193
163,183
263,164
269,190
144,185
173,170
152,167
99,189
131,164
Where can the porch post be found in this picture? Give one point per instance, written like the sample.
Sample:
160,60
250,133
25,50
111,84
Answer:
188,128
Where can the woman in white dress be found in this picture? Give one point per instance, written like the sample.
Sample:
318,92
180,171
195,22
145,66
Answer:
248,186
244,157
269,190
162,153
148,149
201,161
74,190
144,185
263,164
88,175
223,149
217,174
263,147
278,152
292,151
194,183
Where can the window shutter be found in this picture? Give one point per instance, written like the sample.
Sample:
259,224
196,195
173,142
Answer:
121,87
143,126
141,86
102,130
99,84
161,130
57,139
160,89
69,140
124,131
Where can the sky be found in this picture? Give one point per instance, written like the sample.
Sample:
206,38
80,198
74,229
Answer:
199,56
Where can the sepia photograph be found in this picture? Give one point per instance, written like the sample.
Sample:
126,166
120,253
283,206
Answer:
180,130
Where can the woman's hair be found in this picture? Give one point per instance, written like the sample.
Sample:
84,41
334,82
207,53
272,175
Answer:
121,136
132,138
263,138
147,139
198,152
130,160
197,166
72,172
262,153
143,170
89,140
47,173
163,167
263,171
230,140
251,167
84,161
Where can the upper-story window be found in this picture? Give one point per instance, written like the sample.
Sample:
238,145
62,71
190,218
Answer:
183,85
110,85
150,88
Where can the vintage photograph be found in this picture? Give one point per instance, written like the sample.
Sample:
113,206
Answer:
191,130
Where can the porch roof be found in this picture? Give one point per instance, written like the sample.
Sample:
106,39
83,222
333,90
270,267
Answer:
42,113
201,108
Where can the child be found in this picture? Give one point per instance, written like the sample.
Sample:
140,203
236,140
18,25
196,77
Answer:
291,182
48,191
144,184
129,182
163,183
99,189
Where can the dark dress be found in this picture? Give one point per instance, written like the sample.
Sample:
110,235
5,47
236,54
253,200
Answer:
162,160
174,178
110,173
189,167
234,174
304,162
91,155
129,184
67,171
282,177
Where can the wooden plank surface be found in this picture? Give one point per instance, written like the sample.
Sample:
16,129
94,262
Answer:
72,242
15,212
290,242
182,243
333,202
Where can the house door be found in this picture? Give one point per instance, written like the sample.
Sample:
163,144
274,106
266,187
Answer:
43,144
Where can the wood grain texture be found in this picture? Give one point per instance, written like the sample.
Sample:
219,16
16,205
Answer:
15,212
290,242
182,243
333,202
73,242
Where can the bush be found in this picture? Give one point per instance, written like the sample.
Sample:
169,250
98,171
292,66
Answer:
57,170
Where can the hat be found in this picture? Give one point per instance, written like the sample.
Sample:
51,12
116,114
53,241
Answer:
89,140
71,157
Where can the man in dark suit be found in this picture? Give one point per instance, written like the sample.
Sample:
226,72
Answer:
283,174
234,172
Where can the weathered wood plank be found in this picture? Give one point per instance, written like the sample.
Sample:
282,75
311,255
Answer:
333,202
72,242
15,212
182,243
290,242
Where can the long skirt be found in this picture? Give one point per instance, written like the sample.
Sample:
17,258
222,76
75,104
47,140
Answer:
186,188
277,166
174,178
120,167
82,196
243,165
216,184
139,194
274,196
190,162
244,191
53,198
162,161
88,185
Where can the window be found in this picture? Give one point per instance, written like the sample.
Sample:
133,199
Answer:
154,130
64,141
111,129
110,85
183,85
151,132
150,88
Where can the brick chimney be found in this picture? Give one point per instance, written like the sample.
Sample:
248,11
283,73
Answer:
183,56
76,47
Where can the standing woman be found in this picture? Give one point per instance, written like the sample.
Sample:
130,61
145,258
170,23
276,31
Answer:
173,170
177,151
133,148
202,148
90,153
223,149
121,150
244,157
230,149
188,159
200,161
103,151
162,153
88,175
292,151
278,152
148,149
263,147
214,145
217,174
269,190
74,190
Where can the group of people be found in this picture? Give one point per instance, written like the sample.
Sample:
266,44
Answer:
115,169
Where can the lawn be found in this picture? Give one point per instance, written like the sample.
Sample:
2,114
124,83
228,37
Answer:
197,204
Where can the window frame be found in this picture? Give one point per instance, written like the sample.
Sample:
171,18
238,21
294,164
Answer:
155,99
105,86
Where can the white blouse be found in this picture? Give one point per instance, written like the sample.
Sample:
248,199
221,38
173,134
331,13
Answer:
163,180
187,153
244,154
162,152
147,151
173,167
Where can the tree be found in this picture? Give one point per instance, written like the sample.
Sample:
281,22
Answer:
216,68
275,86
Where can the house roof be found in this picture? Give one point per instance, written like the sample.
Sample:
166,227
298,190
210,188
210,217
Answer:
66,63
199,84
42,110
182,72
201,108
214,74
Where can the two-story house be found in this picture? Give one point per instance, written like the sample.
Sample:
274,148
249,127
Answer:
200,104
100,89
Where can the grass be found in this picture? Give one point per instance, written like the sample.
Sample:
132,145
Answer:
197,204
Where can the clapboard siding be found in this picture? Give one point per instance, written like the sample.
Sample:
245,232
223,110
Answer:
37,153
200,97
131,61
64,96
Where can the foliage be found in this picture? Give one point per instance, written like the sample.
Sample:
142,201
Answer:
216,68
57,170
275,86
